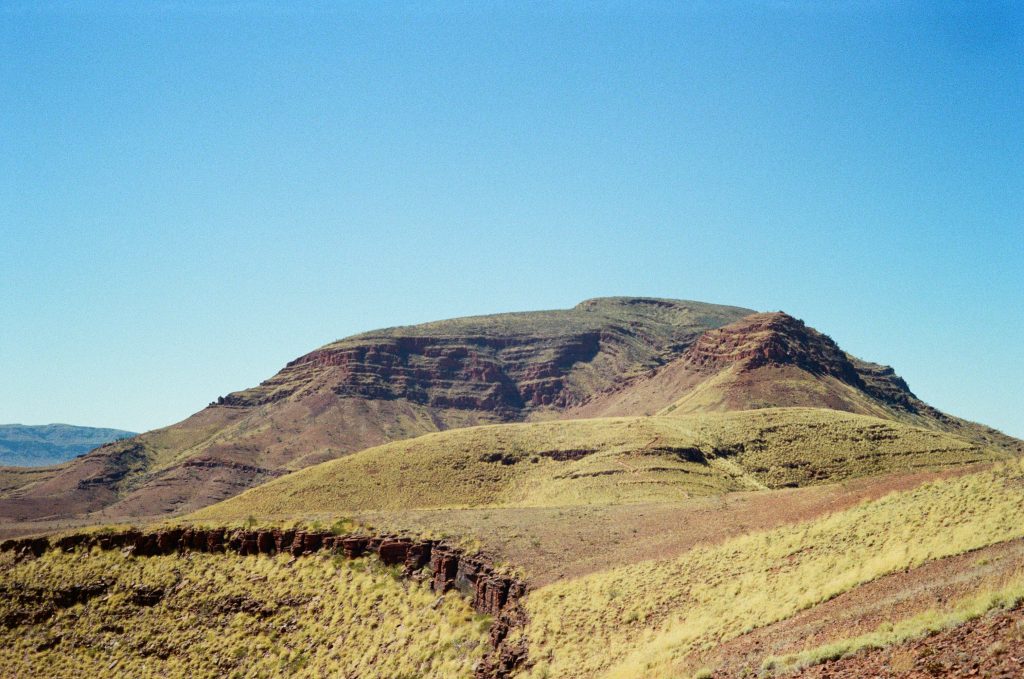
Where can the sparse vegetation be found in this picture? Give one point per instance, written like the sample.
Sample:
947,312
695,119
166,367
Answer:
893,633
700,514
206,615
605,461
577,629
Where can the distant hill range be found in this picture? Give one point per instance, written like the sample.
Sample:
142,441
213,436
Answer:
46,444
607,357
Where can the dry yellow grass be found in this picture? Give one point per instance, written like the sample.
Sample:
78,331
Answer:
230,616
640,620
604,461
896,632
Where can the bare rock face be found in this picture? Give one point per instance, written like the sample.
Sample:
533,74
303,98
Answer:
478,373
354,547
26,547
393,552
505,365
779,340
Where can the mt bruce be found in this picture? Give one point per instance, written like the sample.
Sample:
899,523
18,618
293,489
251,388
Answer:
618,356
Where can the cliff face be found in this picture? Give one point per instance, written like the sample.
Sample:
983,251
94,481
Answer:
500,375
507,365
777,339
370,389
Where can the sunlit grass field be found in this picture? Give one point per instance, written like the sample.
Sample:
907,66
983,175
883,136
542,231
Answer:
230,616
605,461
641,620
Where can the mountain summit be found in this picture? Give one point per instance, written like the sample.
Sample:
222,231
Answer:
605,356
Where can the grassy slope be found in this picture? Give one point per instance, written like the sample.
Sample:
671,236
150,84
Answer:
14,478
640,620
230,616
603,461
899,631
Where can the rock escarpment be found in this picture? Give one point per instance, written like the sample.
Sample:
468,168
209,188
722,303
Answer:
773,360
501,375
445,567
507,364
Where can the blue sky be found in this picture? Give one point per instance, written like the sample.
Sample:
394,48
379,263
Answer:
192,194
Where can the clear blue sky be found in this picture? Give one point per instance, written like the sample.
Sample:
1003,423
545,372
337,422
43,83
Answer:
194,193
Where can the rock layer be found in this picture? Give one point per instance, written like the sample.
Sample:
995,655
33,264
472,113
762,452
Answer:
772,339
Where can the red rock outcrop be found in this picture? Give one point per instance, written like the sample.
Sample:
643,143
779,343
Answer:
772,338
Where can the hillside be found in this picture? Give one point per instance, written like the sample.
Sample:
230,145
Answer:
48,444
370,389
605,461
658,618
878,573
107,614
605,357
770,360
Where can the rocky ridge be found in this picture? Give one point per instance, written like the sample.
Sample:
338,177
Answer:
508,364
771,339
768,360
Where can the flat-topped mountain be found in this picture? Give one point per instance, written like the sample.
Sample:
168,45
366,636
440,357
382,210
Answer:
508,365
610,356
373,388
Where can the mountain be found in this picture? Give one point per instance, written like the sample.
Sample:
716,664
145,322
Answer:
767,360
373,388
47,444
616,356
632,487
